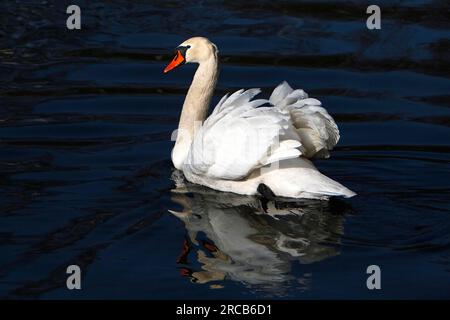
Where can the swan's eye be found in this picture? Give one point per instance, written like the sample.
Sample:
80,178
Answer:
183,50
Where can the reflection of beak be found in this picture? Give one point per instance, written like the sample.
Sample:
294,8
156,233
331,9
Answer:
176,61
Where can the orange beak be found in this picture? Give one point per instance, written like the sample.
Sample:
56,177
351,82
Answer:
176,61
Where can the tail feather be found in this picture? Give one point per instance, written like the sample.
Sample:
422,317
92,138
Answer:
299,178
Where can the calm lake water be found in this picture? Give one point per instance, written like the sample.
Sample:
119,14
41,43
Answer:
86,177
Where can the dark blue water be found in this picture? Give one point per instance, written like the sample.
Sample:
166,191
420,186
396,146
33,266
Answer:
85,172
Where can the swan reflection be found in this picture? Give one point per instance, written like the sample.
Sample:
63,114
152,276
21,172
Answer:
247,239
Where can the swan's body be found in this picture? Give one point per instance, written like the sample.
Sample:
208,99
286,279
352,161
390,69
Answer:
243,145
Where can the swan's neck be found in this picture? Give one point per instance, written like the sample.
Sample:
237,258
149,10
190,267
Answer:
199,95
195,107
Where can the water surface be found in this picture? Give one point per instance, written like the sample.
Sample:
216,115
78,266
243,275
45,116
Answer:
85,172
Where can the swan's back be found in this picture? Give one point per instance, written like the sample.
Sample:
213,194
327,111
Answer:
242,135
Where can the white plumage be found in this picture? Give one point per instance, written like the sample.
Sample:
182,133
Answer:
246,142
241,136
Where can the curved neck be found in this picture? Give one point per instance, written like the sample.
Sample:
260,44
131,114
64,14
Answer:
195,108
199,96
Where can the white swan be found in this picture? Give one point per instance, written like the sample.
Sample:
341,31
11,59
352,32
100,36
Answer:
251,146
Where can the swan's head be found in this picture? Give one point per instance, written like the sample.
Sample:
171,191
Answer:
195,50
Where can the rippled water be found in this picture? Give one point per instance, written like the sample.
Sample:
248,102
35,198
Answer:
86,176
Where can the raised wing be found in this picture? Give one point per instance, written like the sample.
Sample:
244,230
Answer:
317,130
241,135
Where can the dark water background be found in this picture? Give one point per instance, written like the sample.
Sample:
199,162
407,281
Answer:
85,171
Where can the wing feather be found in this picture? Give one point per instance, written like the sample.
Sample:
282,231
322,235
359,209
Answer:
242,134
317,129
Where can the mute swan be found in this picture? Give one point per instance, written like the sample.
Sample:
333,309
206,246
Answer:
250,146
